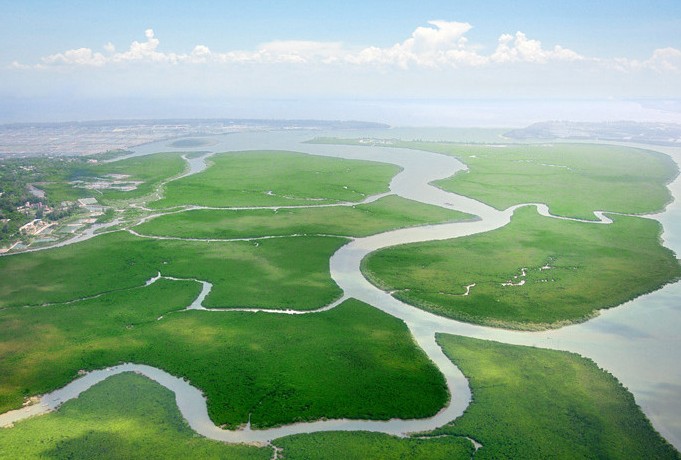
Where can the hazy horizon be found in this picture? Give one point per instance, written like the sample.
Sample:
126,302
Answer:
417,113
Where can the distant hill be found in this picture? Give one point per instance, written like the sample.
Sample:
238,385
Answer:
624,131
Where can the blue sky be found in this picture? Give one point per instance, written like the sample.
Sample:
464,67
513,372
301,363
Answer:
599,27
360,50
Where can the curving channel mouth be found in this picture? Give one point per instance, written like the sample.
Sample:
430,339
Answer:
637,342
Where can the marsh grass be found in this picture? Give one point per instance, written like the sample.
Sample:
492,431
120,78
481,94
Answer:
388,213
273,273
124,417
572,179
532,403
572,270
268,178
371,446
353,361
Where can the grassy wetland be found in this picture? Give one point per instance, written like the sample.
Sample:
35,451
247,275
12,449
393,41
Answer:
125,417
534,273
275,273
276,179
382,215
527,402
353,361
572,179
86,306
533,403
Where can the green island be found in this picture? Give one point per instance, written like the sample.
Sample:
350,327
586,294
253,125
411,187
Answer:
572,179
534,403
353,361
553,272
534,273
277,178
275,273
527,403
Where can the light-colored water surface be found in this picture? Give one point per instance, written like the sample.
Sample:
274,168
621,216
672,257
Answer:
637,342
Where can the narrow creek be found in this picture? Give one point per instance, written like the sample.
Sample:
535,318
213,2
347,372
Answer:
637,342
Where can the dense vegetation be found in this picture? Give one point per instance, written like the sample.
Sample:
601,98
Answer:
278,178
353,361
125,417
572,179
371,446
571,270
534,404
273,273
360,220
527,403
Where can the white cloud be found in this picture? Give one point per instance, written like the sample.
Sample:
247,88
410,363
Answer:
138,51
286,51
308,51
80,56
16,65
443,44
663,60
440,45
519,48
145,51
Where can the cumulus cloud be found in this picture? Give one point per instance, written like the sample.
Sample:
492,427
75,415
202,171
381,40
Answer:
519,48
80,56
439,45
442,44
145,51
662,60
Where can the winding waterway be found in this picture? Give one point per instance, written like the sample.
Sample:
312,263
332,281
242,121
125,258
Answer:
637,342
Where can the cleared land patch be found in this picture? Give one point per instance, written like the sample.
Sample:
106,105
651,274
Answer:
119,180
385,214
278,178
271,273
534,404
353,361
534,273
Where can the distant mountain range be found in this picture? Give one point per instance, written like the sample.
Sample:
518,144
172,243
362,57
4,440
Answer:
623,131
